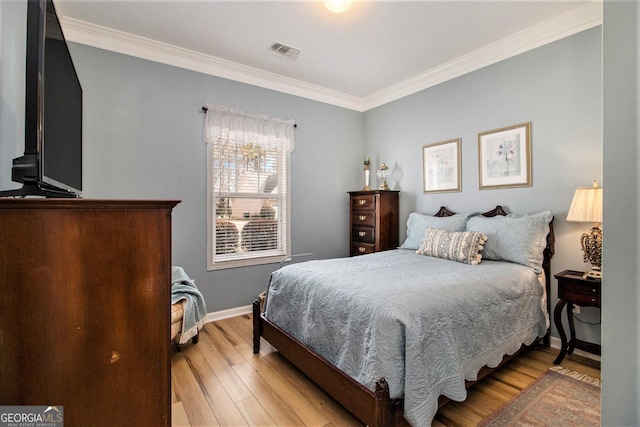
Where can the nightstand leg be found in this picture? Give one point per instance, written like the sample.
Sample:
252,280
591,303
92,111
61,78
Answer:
572,328
557,317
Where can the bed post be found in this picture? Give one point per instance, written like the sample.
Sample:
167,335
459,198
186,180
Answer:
549,251
384,409
257,327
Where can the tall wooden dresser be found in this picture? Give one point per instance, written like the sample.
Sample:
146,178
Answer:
84,309
374,221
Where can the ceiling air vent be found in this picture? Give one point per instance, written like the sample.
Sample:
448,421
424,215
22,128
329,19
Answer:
285,51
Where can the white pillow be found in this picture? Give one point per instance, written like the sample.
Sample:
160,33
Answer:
417,225
515,238
461,246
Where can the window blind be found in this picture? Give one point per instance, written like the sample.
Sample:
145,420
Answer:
248,183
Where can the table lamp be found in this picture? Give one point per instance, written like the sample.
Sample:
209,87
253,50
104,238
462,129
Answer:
586,206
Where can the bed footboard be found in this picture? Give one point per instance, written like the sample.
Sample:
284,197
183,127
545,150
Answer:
374,408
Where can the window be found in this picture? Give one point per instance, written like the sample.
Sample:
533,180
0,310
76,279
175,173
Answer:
248,187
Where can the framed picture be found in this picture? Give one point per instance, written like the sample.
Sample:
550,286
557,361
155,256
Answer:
441,167
504,157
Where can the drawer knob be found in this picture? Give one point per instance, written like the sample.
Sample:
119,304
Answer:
362,217
362,234
593,300
361,249
362,202
594,290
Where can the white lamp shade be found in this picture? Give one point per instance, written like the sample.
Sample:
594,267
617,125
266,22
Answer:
586,205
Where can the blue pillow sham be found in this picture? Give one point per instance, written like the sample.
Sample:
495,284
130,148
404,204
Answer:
417,225
515,238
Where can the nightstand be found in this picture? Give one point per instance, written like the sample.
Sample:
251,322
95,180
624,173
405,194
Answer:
573,289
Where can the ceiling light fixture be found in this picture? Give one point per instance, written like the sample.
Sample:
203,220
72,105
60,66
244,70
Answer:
338,6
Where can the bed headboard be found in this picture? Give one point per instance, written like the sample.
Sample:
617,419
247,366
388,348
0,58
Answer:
549,250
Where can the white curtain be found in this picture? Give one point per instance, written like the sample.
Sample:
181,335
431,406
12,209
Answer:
223,123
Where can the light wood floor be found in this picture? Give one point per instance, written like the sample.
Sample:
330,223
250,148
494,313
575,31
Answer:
220,382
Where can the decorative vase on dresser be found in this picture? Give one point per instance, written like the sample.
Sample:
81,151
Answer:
84,312
374,221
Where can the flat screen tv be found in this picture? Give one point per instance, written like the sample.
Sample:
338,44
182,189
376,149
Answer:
52,162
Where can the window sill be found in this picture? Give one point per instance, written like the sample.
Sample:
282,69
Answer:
246,262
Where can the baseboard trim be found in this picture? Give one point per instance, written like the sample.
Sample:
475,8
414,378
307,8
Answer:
555,343
225,314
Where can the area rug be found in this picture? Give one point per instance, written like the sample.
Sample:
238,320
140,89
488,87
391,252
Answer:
560,397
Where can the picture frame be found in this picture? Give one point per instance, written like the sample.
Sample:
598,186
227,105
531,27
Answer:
504,157
442,167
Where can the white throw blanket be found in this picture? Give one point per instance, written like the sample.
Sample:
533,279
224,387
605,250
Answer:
184,289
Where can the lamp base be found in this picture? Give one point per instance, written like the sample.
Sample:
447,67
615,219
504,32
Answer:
592,248
592,274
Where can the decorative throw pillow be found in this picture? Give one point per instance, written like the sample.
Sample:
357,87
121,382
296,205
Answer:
514,238
461,246
418,223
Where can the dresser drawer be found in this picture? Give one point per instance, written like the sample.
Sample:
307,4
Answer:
365,202
362,248
363,234
579,288
582,299
362,218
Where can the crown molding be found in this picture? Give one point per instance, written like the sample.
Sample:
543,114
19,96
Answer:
573,22
562,26
106,38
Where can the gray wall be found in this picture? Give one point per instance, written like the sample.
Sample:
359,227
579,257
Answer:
12,68
557,88
620,306
143,138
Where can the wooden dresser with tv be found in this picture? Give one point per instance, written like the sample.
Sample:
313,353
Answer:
84,308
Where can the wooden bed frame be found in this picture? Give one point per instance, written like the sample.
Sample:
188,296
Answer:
374,408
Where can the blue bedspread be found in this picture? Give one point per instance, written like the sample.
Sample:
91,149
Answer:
425,324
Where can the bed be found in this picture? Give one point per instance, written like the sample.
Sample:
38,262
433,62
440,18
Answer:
394,332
